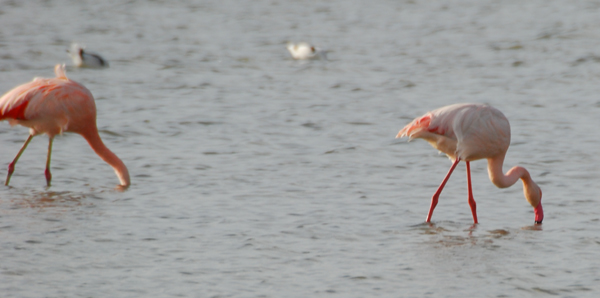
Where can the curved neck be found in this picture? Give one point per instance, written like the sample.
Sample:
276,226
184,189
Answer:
108,156
531,190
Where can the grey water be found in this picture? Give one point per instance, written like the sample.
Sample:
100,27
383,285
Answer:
255,175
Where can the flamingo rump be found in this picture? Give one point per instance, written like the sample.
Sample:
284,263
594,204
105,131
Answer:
470,132
53,106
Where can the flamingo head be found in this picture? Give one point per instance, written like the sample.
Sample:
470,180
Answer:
539,211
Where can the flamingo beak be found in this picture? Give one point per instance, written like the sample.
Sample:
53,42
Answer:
539,211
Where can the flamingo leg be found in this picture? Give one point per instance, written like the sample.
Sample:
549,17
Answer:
471,199
11,166
436,195
47,171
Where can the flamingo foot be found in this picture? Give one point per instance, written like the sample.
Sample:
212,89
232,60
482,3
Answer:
472,204
473,211
434,201
48,176
471,199
436,195
11,170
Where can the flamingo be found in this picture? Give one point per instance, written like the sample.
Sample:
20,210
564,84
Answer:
82,58
303,51
53,106
470,132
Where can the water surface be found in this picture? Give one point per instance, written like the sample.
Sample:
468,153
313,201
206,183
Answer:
258,176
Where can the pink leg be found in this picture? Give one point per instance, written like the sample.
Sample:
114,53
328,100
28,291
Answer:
47,171
436,195
11,166
471,199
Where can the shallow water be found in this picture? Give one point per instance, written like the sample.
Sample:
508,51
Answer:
258,176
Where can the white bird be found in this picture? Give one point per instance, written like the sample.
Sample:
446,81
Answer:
303,51
81,58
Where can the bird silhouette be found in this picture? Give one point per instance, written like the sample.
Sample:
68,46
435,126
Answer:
53,106
470,132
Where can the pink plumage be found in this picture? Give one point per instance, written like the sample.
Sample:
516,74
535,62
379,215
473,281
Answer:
53,106
470,132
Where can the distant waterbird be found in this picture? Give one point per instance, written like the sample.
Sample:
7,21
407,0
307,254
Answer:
470,132
304,51
81,58
53,106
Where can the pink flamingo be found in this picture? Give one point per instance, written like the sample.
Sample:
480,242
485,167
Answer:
53,106
470,132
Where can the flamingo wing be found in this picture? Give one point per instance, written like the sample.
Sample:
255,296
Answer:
435,122
13,104
417,125
48,105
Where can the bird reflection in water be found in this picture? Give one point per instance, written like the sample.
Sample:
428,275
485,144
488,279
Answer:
48,199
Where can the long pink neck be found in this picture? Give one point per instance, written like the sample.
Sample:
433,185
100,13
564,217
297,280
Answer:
531,190
108,156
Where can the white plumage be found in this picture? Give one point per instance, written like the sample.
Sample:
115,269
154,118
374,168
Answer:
303,51
81,58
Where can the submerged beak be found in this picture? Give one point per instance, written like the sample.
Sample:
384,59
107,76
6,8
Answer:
538,211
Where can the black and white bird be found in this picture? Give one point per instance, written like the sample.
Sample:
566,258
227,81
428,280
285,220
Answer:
81,58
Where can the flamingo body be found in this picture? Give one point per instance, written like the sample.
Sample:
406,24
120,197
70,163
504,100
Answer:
53,106
471,132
